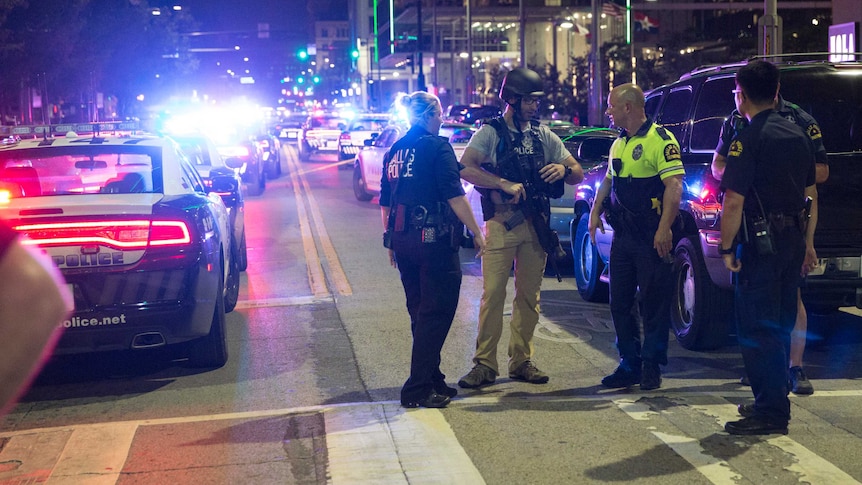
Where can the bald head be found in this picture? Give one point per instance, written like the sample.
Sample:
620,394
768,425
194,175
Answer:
630,93
626,107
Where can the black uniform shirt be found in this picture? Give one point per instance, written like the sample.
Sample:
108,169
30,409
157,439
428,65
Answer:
420,169
736,123
774,157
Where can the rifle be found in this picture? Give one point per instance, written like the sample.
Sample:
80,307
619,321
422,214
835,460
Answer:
533,207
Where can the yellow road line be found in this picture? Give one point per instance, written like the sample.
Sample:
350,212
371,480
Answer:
339,278
336,271
316,278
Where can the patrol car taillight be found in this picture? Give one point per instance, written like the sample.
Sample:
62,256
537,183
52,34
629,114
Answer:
131,234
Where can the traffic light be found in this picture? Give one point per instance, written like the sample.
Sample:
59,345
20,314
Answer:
300,80
316,79
302,54
354,54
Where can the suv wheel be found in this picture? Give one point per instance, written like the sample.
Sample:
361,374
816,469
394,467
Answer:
700,310
588,264
359,185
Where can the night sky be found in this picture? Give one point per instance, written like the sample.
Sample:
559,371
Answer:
246,14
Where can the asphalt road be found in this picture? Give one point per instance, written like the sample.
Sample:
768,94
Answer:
320,345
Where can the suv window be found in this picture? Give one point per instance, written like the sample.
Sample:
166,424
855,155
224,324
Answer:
834,100
651,106
674,115
714,104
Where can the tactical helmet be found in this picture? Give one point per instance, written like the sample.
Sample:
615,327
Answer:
521,82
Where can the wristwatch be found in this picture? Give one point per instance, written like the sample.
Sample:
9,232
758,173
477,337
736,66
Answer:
730,250
568,171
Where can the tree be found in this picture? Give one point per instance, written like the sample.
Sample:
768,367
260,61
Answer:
71,49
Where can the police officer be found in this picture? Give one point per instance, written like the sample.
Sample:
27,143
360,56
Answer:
423,207
644,182
516,161
799,383
770,170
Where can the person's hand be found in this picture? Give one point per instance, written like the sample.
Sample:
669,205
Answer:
731,263
553,172
810,262
392,261
663,242
516,190
595,223
479,242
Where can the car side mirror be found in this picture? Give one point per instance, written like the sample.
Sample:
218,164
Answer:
369,142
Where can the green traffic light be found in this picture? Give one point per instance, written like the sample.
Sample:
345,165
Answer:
316,79
354,54
303,55
300,80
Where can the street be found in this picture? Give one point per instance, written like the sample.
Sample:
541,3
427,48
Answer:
320,346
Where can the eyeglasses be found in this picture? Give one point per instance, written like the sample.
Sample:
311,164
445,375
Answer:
530,100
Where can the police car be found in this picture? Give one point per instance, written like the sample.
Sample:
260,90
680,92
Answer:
145,249
204,155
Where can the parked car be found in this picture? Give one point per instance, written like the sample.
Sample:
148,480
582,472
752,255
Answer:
471,113
270,151
368,167
694,108
204,156
145,249
320,133
245,148
290,127
479,114
363,127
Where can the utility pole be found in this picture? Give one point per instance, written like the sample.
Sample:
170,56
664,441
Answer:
420,79
769,30
596,99
471,82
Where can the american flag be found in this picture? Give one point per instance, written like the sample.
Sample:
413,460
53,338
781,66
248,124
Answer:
612,9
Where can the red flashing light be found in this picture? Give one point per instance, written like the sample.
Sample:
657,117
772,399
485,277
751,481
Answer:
132,234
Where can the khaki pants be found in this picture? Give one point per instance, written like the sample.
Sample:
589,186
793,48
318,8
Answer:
521,246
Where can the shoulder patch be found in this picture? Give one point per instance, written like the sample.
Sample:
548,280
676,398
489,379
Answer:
813,131
735,149
671,153
662,133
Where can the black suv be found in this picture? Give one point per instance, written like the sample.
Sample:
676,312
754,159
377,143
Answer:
694,109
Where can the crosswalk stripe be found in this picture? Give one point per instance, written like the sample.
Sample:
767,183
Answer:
390,445
811,467
94,455
714,469
376,442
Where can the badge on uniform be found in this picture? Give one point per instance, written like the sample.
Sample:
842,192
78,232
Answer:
735,149
814,131
429,234
671,152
